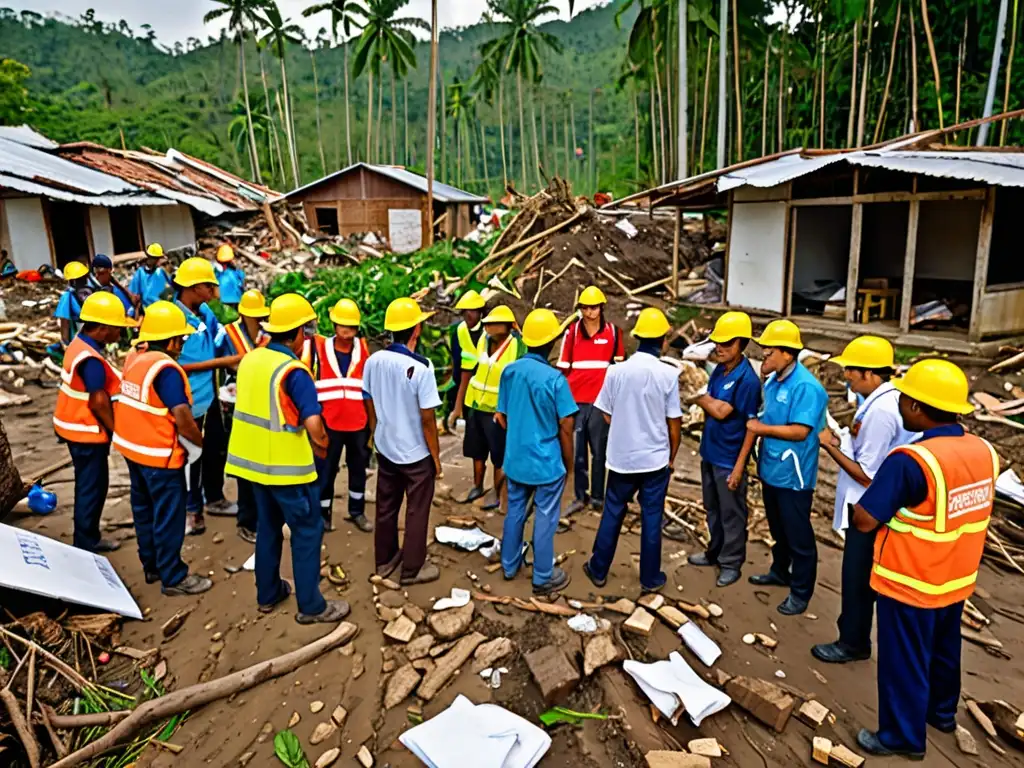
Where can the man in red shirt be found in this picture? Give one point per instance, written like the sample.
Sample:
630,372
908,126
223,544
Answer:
589,346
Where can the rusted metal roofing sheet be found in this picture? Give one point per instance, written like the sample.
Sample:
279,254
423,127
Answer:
33,164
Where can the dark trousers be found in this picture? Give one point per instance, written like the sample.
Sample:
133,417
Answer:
158,507
356,446
592,434
299,506
92,480
247,516
651,488
727,516
858,596
795,554
414,483
918,671
206,476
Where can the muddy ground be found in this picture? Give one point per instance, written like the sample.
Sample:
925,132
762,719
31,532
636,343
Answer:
220,734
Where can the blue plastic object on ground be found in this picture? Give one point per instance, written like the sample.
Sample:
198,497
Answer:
41,502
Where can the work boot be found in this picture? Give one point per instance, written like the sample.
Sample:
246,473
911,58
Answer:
152,577
195,524
597,505
362,523
599,583
655,587
476,492
193,584
674,531
577,506
559,580
286,592
106,545
247,534
388,568
870,743
428,573
701,559
840,653
949,727
792,606
770,579
336,610
222,508
728,577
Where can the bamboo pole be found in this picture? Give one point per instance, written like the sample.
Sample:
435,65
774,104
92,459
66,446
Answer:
935,59
707,94
1009,75
888,75
853,86
736,76
916,124
675,253
764,98
861,116
432,121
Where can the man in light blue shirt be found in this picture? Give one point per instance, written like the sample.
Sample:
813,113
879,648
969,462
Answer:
230,277
794,414
536,407
150,281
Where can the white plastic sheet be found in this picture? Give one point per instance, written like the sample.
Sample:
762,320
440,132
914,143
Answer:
470,539
672,686
703,646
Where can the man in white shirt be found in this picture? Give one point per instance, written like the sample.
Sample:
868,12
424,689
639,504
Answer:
868,363
640,399
401,401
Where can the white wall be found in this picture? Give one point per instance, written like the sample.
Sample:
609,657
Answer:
757,256
102,239
169,225
26,227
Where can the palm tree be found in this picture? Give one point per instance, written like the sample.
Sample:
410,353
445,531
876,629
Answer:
242,14
486,80
461,109
343,13
385,38
278,34
519,47
320,42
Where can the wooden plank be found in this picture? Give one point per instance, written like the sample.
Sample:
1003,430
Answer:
853,271
674,285
909,265
791,230
988,213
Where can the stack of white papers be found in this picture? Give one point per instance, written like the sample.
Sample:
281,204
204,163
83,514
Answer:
1009,485
673,688
477,736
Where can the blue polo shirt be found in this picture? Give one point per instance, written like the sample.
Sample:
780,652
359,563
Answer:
68,306
299,387
208,340
232,283
900,481
533,395
149,285
94,375
95,285
741,388
797,399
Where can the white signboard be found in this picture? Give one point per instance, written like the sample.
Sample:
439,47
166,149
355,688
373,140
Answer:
405,230
41,566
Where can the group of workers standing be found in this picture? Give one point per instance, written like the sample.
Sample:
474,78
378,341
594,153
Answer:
914,494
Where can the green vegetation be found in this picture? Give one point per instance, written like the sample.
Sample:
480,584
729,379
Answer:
289,750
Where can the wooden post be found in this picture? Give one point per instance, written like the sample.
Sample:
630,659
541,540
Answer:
909,266
432,120
853,272
988,212
674,287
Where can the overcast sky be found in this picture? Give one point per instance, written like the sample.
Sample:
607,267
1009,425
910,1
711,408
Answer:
179,19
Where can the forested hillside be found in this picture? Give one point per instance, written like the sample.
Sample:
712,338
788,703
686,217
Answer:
600,105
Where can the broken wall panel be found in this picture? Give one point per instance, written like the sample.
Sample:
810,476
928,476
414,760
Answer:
102,236
169,225
757,247
27,232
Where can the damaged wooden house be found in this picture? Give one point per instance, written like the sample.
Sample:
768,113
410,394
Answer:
59,203
914,239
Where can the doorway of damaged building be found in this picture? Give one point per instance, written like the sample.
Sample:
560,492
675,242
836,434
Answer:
70,234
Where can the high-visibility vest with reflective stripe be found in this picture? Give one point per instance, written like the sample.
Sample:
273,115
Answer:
307,357
341,392
144,428
72,418
467,347
928,556
239,338
268,445
482,392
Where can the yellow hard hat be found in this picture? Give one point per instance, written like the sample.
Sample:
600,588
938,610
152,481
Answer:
500,314
592,296
541,327
470,300
195,271
155,250
781,333
345,312
225,253
651,324
163,320
732,325
938,383
867,352
253,304
403,314
287,313
106,308
74,270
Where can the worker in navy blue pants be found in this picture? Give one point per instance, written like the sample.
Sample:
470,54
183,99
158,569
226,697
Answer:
92,479
158,506
299,506
918,672
795,553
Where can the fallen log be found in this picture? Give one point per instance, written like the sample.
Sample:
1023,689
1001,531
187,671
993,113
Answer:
200,695
25,733
1008,362
91,720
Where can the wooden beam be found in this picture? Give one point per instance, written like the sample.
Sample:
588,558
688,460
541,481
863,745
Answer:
728,247
853,271
909,265
674,285
988,213
791,223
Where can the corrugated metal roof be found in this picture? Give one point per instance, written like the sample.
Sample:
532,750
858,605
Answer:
107,201
777,171
443,193
1004,169
32,164
27,136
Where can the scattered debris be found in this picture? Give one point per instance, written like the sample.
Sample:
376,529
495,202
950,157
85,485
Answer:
813,713
764,700
451,623
554,674
965,741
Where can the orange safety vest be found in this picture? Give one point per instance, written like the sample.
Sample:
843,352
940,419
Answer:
341,392
144,428
72,418
928,556
240,339
307,354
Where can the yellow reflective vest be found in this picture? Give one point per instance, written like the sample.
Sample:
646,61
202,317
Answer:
482,392
268,445
467,348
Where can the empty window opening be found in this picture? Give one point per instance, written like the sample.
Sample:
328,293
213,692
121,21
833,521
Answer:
327,221
821,260
1005,265
69,230
125,230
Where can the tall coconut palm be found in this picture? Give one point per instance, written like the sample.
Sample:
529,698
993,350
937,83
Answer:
278,34
343,16
519,46
488,78
320,42
385,38
242,16
461,109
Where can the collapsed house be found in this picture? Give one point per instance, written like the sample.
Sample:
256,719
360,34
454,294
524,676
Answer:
887,240
61,203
